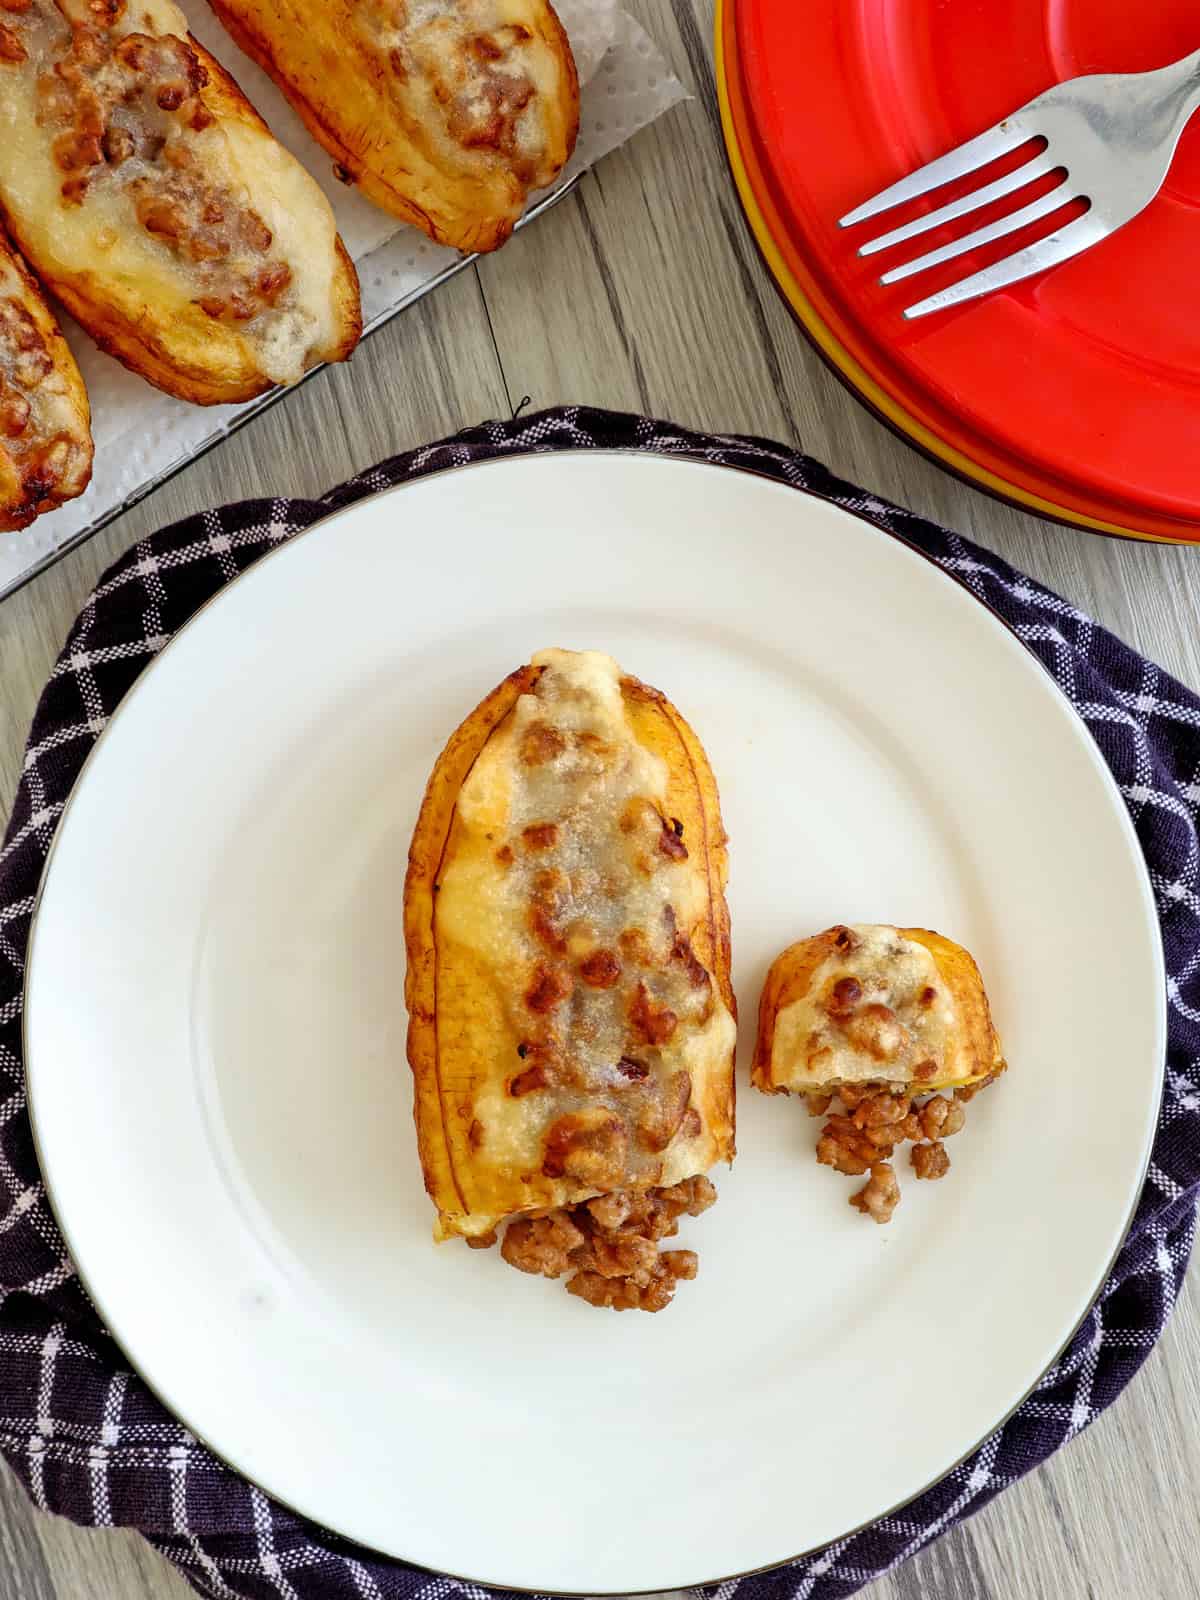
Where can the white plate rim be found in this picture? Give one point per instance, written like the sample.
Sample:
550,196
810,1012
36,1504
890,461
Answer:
684,457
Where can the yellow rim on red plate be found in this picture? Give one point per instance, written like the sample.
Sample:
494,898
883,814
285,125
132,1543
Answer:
803,296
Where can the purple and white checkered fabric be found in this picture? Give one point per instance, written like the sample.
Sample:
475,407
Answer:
81,1430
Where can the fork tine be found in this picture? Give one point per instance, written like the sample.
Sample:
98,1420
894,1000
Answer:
1070,241
1042,207
977,152
1017,179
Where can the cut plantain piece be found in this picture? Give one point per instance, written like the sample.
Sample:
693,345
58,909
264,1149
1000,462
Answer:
873,1004
878,1019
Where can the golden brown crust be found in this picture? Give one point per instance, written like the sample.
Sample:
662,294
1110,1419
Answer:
152,199
45,434
515,1111
420,887
447,116
790,975
962,977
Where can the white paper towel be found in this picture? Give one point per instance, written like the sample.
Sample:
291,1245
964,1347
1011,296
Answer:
141,434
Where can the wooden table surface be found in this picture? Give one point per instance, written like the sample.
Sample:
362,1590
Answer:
643,291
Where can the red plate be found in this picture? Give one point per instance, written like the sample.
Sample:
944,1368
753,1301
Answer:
1077,391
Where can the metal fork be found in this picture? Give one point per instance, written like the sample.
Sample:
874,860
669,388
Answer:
1109,137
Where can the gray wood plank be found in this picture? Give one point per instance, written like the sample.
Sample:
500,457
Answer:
645,291
47,1558
21,1550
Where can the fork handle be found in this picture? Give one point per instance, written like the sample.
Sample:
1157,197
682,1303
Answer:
1189,73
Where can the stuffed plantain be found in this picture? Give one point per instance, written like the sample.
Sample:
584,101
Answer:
447,113
870,1004
572,1027
151,198
878,1018
45,438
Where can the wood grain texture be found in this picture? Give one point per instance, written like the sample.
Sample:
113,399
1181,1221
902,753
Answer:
644,291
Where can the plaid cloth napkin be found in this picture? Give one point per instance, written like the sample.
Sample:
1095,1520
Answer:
83,1433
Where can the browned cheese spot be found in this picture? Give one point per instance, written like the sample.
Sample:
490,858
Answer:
654,1023
550,987
600,970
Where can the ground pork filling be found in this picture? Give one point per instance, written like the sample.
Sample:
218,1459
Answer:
608,1248
39,456
875,1118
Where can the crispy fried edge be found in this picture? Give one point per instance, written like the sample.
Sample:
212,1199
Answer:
963,978
420,887
16,515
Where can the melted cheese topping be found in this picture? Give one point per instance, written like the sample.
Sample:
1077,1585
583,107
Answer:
573,893
829,1036
476,72
69,99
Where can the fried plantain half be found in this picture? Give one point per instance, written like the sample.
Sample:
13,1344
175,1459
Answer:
152,200
447,113
571,1020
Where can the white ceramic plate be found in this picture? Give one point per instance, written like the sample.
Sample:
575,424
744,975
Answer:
216,1031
